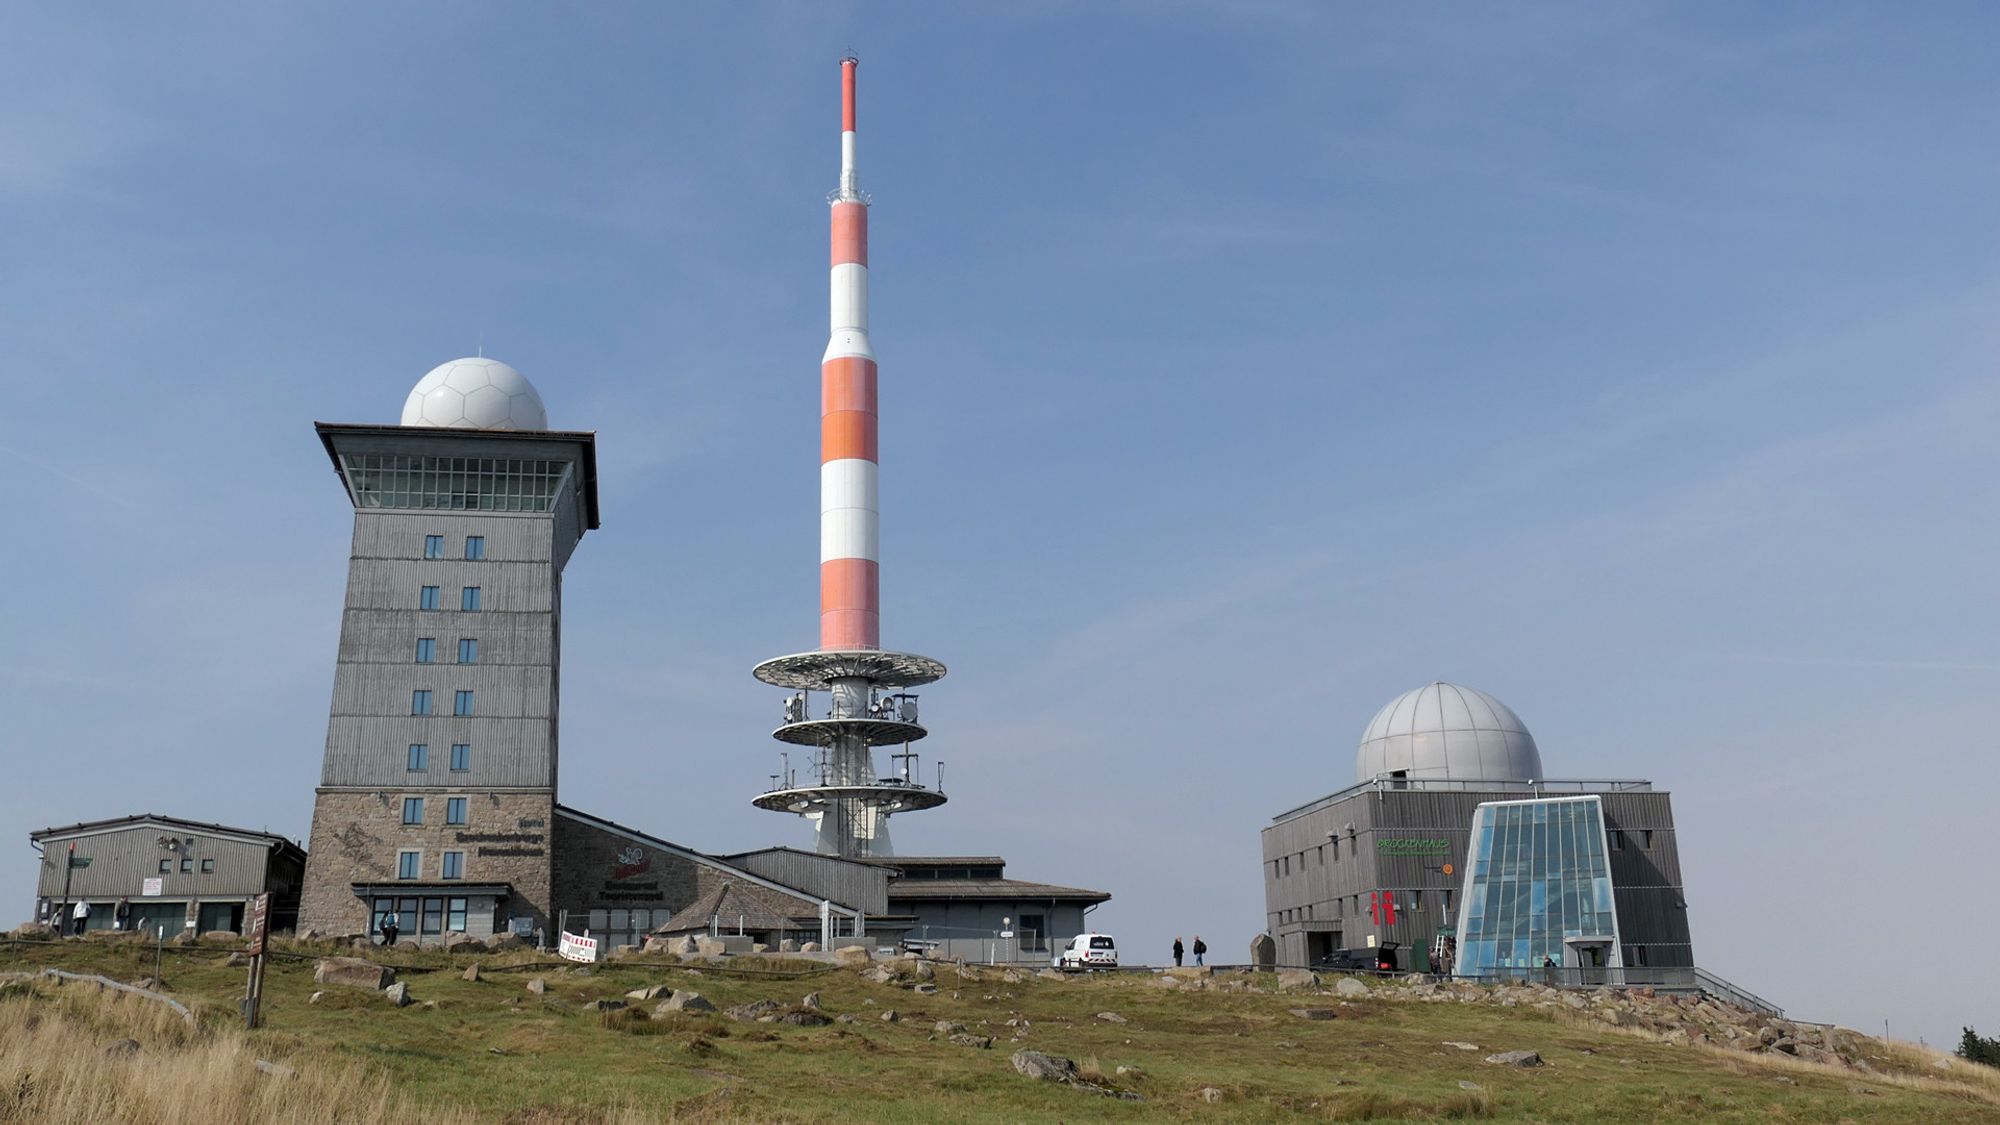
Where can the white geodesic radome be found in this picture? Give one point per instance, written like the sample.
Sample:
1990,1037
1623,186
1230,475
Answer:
1446,732
475,394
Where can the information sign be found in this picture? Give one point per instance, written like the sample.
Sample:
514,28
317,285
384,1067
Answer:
260,923
577,948
153,887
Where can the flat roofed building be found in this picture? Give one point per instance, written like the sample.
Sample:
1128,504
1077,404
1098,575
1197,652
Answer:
1385,860
168,872
964,906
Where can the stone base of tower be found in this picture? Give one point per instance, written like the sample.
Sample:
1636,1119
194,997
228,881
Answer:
358,840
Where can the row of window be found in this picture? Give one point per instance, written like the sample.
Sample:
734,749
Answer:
187,866
410,865
431,917
454,810
1284,864
468,598
420,702
475,547
468,650
420,757
1310,911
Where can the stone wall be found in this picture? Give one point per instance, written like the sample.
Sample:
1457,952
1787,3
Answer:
357,835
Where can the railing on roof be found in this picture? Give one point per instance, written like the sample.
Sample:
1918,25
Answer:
1526,789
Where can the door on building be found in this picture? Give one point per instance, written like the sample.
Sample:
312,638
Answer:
1320,946
150,917
219,916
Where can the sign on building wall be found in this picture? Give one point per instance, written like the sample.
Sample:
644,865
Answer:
1411,845
577,948
153,887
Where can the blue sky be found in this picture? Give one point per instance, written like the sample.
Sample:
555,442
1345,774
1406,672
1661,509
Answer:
1243,366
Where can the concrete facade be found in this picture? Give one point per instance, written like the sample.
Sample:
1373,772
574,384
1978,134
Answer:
180,874
1385,861
438,513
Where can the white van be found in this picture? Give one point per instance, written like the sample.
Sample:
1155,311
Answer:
1088,951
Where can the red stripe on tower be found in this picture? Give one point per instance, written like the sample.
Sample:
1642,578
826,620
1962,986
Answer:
850,604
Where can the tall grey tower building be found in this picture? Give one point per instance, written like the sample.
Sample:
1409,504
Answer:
437,797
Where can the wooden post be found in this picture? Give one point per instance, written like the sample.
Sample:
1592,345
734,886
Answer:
253,996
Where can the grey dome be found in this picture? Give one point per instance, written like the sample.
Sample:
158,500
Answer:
1444,731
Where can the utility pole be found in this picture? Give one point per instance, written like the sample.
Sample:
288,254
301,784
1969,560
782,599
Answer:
69,871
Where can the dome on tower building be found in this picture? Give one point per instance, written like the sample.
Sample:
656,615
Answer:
1446,732
475,394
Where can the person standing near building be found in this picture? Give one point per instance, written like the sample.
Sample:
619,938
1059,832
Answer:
1200,949
81,915
121,914
1177,953
390,923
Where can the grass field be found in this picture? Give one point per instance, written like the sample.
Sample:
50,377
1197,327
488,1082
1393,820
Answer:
492,1050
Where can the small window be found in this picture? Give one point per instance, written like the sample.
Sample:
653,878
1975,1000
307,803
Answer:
1648,841
461,756
208,867
427,598
454,866
420,756
1617,840
475,547
166,866
1447,901
427,648
187,865
413,810
433,546
420,701
408,864
462,705
468,650
468,598
454,810
1416,901
455,915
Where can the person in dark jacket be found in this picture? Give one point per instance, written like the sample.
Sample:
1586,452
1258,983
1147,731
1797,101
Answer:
1177,953
390,924
1200,949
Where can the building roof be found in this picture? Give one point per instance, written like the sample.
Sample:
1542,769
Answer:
120,823
736,856
715,862
934,860
989,890
1502,790
730,905
1446,731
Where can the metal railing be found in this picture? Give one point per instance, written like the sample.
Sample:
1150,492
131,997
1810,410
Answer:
1534,788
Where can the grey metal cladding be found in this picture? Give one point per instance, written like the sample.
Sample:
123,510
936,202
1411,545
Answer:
863,887
121,860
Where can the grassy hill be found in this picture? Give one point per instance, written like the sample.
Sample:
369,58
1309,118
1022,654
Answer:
1233,1050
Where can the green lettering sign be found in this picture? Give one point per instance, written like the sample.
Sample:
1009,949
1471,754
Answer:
1411,845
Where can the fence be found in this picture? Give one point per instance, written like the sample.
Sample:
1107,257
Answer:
984,947
1660,979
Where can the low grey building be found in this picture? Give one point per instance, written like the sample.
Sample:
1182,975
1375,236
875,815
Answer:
167,872
1386,859
964,906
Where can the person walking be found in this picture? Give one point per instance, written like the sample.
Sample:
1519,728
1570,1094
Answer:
1200,949
121,914
81,915
390,923
1177,953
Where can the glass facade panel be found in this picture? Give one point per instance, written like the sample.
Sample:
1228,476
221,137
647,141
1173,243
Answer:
487,484
1538,874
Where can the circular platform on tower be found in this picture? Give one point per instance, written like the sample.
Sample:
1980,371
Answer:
816,671
889,796
825,732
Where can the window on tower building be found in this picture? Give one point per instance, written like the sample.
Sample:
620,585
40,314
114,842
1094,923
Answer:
420,756
408,864
475,547
413,810
208,867
462,705
453,866
433,546
468,650
420,701
187,865
427,598
166,866
426,649
454,810
468,598
461,756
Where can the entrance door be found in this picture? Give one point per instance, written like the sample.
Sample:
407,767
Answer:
1319,947
219,916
